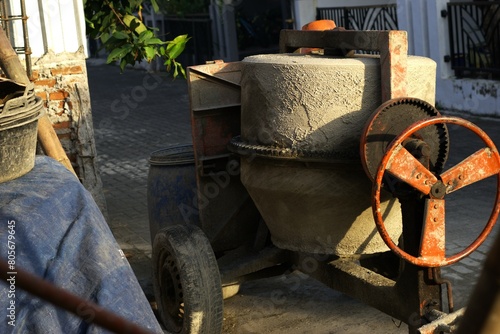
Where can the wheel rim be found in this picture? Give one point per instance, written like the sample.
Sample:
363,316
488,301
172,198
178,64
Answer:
377,187
171,291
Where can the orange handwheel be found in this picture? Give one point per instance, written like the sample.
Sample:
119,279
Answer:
398,162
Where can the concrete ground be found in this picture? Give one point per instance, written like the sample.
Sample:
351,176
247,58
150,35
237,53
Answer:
136,113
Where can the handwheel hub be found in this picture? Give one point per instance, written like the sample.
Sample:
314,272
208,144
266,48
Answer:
438,190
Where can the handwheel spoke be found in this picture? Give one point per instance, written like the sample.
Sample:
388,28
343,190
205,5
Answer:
400,163
432,244
407,168
478,166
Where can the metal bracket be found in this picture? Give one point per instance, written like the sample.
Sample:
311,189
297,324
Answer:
392,45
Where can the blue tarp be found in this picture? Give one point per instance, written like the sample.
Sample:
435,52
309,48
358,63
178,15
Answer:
61,236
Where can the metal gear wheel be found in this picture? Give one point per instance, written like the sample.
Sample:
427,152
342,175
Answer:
389,120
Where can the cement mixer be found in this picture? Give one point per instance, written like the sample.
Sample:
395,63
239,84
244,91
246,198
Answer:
338,154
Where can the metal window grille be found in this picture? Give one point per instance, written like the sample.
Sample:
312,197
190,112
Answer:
474,33
6,20
383,17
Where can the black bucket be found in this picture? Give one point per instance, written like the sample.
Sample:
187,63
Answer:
19,113
172,188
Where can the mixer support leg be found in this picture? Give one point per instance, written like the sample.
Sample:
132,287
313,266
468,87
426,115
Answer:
416,285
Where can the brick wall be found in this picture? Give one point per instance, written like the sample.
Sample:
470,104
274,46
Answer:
61,81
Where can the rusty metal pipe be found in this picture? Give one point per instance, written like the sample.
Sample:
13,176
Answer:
88,311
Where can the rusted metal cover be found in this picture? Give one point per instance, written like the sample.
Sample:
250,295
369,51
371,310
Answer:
227,214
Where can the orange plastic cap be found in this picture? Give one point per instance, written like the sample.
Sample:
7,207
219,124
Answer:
320,25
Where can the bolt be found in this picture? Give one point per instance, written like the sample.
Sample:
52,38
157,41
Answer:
435,219
460,177
435,206
418,176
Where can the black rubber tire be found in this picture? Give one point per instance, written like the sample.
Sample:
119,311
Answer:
186,281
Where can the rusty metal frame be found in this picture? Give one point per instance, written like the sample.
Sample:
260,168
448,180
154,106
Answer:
227,214
392,45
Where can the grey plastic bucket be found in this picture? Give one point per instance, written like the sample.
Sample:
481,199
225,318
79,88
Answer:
19,113
172,188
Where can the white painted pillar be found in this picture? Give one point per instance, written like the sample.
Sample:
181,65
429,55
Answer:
224,31
305,12
439,41
427,31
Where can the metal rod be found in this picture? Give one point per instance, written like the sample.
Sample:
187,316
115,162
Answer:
5,18
436,273
88,311
27,48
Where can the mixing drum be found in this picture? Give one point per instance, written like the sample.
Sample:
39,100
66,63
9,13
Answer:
301,120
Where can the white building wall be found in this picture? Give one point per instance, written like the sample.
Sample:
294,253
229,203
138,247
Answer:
428,36
55,25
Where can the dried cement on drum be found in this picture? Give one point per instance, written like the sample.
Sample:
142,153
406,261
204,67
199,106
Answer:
318,104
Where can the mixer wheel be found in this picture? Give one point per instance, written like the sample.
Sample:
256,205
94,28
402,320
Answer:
401,164
186,281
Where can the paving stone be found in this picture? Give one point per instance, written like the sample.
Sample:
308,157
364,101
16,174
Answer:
462,270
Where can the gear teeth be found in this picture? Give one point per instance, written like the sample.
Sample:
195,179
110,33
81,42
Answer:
391,117
238,146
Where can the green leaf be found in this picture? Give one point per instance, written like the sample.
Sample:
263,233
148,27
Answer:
182,71
106,22
134,23
119,53
145,35
175,47
156,8
104,37
168,64
150,52
175,70
126,38
153,40
120,35
90,23
123,63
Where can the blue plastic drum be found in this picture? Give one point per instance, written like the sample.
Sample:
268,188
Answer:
172,188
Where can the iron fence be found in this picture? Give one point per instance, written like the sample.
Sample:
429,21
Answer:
381,17
200,48
474,29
